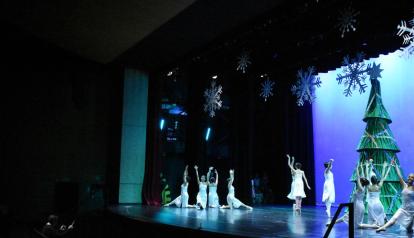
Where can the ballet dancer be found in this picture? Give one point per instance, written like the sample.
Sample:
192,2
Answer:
357,199
405,214
182,200
376,214
213,199
232,201
328,196
297,191
202,190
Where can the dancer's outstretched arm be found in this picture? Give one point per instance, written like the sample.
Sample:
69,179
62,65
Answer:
290,164
185,174
231,177
216,176
386,174
306,181
196,169
397,169
329,166
208,175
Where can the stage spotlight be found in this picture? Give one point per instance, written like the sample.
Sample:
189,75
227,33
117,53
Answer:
214,77
162,122
208,133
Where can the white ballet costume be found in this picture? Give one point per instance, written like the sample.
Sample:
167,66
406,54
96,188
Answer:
182,200
297,189
405,214
328,188
213,199
376,214
359,208
202,195
232,201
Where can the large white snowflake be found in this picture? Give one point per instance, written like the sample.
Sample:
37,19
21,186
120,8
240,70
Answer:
305,86
347,20
244,61
213,98
267,89
407,33
354,74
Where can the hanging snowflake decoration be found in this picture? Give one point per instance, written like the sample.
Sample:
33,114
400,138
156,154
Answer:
244,62
267,89
347,20
407,33
213,98
305,86
354,74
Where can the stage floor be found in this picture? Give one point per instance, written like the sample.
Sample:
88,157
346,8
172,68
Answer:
265,221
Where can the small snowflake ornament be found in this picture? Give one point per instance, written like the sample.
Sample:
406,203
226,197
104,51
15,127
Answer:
305,86
243,62
347,20
354,74
267,89
212,96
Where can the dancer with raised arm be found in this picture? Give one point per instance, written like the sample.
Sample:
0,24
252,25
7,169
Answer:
358,199
405,214
202,190
213,199
297,192
182,200
376,214
232,201
328,196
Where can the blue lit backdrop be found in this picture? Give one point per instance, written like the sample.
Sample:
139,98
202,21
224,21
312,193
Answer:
338,125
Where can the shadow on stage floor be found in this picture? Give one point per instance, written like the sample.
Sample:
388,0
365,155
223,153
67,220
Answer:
269,221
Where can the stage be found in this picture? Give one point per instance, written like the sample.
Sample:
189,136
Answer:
265,221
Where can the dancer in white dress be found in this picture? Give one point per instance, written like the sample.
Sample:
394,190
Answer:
202,190
376,213
358,200
405,214
182,200
297,191
232,201
213,199
328,196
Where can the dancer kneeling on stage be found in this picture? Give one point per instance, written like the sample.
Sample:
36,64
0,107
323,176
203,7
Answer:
182,200
405,214
297,191
213,199
376,213
202,190
232,201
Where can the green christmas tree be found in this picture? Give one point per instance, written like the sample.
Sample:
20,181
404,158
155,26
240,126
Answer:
378,143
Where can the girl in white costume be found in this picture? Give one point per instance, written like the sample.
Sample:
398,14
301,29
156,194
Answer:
213,199
297,191
405,214
358,200
376,213
328,196
202,190
182,200
232,201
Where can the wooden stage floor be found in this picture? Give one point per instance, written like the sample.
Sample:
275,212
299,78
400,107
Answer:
265,221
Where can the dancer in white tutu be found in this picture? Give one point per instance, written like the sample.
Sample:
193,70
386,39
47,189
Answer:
376,213
232,201
328,196
358,200
182,200
405,214
202,190
297,191
213,199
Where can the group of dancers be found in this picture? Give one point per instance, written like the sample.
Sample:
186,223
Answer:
366,182
211,200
